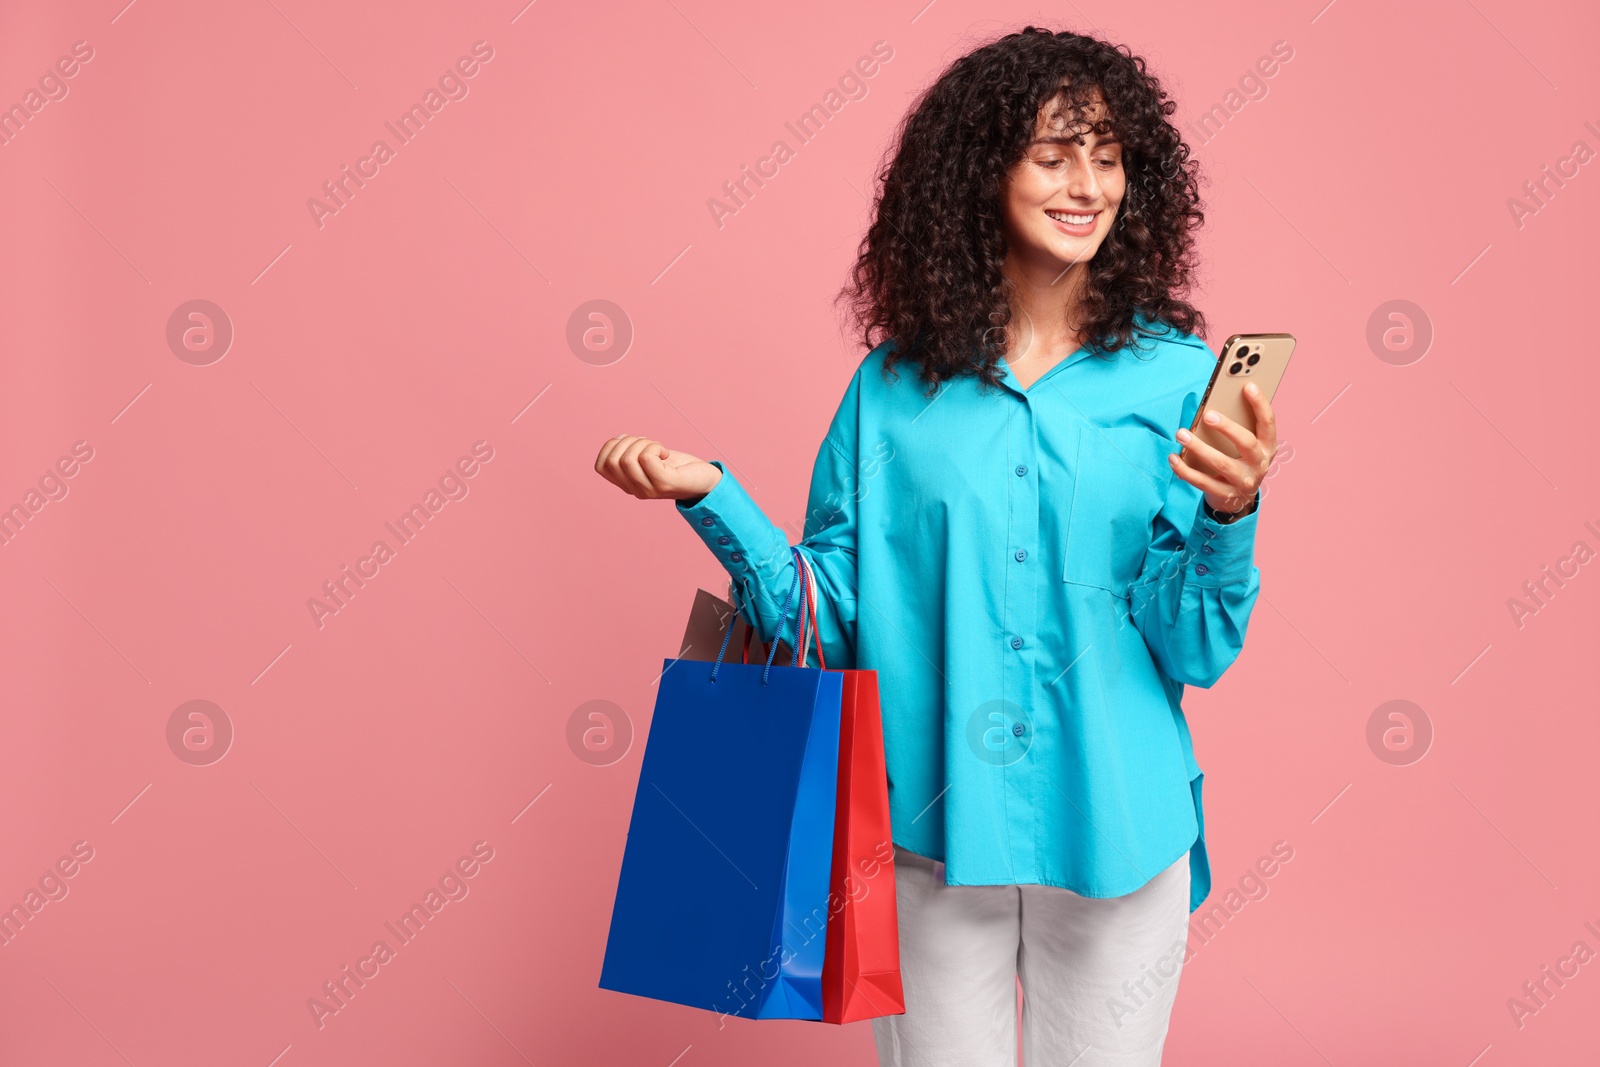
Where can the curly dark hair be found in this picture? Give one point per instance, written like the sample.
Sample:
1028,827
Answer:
929,267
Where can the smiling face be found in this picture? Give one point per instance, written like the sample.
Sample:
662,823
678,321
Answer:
1059,201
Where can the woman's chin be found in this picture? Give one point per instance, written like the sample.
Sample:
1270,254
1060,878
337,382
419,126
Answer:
1070,251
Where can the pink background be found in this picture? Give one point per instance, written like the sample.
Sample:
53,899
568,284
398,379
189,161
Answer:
1412,500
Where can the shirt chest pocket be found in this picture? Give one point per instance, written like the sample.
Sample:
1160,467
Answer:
1122,480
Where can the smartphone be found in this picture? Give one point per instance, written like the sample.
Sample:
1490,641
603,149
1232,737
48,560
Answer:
1247,357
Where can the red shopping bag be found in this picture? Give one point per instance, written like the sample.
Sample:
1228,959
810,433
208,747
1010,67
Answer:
861,966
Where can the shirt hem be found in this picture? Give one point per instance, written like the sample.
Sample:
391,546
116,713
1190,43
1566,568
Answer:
1199,862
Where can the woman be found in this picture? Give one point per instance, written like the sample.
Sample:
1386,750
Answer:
1018,551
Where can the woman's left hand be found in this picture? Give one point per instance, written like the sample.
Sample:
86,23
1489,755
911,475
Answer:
1235,489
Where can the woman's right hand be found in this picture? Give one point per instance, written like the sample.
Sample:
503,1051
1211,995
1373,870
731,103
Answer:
652,471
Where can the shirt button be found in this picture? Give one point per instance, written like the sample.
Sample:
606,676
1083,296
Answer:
1017,729
1207,548
1022,554
736,557
724,539
1022,468
707,521
1016,642
1200,568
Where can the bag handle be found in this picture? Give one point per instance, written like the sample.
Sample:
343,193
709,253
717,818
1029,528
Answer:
773,651
744,654
810,632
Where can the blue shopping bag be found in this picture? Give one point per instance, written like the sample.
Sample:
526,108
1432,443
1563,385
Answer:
722,901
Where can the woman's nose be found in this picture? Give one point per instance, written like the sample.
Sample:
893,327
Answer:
1083,184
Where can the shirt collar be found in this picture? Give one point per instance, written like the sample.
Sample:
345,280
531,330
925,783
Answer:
1147,333
1009,380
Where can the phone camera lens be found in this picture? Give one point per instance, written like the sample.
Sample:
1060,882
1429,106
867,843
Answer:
1244,350
1254,359
1234,368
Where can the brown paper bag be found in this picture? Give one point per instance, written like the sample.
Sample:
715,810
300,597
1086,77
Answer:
708,619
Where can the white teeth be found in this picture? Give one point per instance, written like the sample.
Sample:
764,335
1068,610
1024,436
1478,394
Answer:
1070,220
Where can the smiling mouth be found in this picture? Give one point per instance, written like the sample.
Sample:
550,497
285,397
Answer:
1072,219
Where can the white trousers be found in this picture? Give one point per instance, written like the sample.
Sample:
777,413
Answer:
1098,975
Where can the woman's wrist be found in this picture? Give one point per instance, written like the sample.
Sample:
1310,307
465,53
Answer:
692,501
1225,517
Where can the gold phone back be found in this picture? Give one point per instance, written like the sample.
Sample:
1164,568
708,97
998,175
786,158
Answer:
1253,357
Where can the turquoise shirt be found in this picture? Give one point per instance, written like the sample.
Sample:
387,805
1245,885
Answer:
1034,587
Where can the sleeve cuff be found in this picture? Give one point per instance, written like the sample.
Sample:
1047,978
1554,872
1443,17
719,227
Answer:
736,530
1218,554
1224,518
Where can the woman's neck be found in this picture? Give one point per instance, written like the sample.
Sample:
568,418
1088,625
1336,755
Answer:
1044,306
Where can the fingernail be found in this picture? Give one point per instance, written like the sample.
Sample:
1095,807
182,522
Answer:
1212,416
1183,435
1251,388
